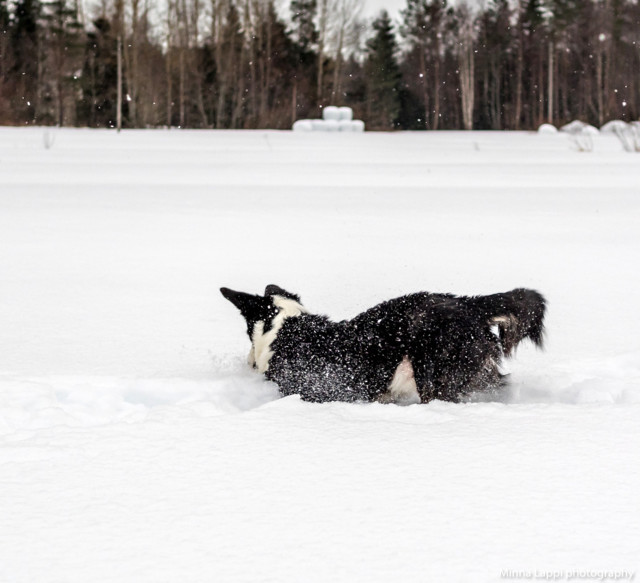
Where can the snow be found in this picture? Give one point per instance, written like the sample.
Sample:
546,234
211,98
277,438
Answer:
135,444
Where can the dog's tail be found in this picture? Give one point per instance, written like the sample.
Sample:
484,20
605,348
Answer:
519,314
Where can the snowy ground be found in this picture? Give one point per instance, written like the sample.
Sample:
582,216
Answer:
136,446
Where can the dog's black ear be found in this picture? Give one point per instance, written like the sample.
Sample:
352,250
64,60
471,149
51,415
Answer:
241,300
276,290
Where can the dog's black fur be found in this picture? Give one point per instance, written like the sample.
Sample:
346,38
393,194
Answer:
454,343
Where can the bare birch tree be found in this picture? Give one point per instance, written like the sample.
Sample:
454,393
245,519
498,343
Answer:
326,8
344,37
466,61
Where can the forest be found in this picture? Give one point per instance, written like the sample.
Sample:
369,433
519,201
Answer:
497,64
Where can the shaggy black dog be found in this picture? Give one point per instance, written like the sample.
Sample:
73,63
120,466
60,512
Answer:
421,346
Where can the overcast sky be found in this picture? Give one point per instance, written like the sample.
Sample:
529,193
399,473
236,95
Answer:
393,7
372,7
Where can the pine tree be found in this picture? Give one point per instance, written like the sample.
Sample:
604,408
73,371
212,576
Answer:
383,76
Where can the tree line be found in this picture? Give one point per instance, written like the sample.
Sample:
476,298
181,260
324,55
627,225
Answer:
508,64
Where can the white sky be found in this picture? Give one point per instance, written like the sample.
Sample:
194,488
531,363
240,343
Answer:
372,7
393,7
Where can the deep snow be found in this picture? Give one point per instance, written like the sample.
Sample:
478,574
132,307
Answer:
134,443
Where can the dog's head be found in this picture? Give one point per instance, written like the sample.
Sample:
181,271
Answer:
264,316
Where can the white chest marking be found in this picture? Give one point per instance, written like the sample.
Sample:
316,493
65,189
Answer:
402,388
261,340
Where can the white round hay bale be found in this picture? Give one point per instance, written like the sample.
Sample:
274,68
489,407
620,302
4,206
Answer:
346,113
574,127
357,125
303,125
318,125
547,129
331,125
331,112
613,126
345,125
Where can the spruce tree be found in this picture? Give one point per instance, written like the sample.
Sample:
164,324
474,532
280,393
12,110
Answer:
533,16
303,14
6,62
496,60
425,26
65,41
26,58
383,75
305,37
99,76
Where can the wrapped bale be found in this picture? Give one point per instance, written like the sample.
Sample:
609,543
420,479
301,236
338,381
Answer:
303,125
345,125
331,125
331,113
547,129
615,126
346,113
579,127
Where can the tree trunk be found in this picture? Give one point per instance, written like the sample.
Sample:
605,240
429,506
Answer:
181,86
519,71
133,82
466,66
425,93
294,101
550,87
322,33
599,85
119,85
436,93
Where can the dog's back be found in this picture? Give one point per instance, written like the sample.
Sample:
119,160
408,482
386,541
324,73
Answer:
449,339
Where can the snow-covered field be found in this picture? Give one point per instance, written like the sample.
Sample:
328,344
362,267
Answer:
136,446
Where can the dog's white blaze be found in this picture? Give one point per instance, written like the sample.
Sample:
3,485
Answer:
402,387
262,341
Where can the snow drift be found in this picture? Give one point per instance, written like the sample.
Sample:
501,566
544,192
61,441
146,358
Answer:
135,445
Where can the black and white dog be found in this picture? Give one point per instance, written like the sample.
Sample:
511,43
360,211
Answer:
417,347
